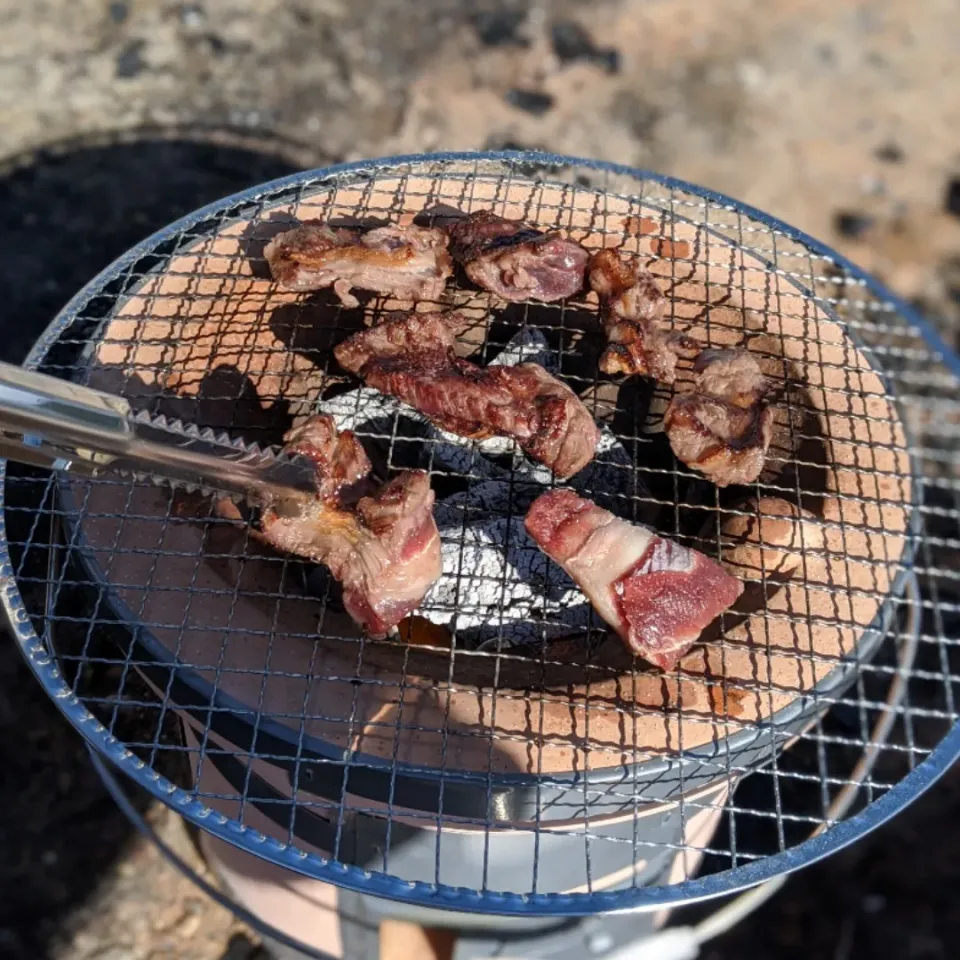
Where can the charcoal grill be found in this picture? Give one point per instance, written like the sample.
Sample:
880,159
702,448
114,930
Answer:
502,756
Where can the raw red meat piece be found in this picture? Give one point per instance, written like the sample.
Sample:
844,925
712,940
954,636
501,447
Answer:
656,594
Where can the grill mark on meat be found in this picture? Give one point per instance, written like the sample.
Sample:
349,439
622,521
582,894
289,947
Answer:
411,356
482,232
656,594
724,426
409,262
381,544
631,308
506,240
516,261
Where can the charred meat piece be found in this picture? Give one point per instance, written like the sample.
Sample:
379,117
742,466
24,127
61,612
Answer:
723,427
658,595
381,544
411,356
411,263
631,307
517,261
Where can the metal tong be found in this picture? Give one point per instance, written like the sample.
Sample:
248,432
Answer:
52,423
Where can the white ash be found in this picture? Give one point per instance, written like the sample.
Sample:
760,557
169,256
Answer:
496,583
383,422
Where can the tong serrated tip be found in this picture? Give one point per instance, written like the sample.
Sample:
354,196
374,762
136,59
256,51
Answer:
61,425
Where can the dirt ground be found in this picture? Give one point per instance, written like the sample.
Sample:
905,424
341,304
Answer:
117,117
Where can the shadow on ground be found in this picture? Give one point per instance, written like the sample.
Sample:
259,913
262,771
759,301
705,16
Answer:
67,213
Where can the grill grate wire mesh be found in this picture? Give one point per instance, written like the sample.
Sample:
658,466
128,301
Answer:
663,820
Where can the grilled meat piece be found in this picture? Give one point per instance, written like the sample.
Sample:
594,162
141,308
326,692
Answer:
343,467
381,544
411,263
723,427
517,261
631,308
657,595
411,356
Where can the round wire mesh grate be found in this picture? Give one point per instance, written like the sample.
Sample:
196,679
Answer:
502,754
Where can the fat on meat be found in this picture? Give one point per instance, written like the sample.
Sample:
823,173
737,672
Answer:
408,262
381,543
656,594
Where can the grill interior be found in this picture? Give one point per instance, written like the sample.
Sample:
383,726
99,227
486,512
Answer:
505,713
